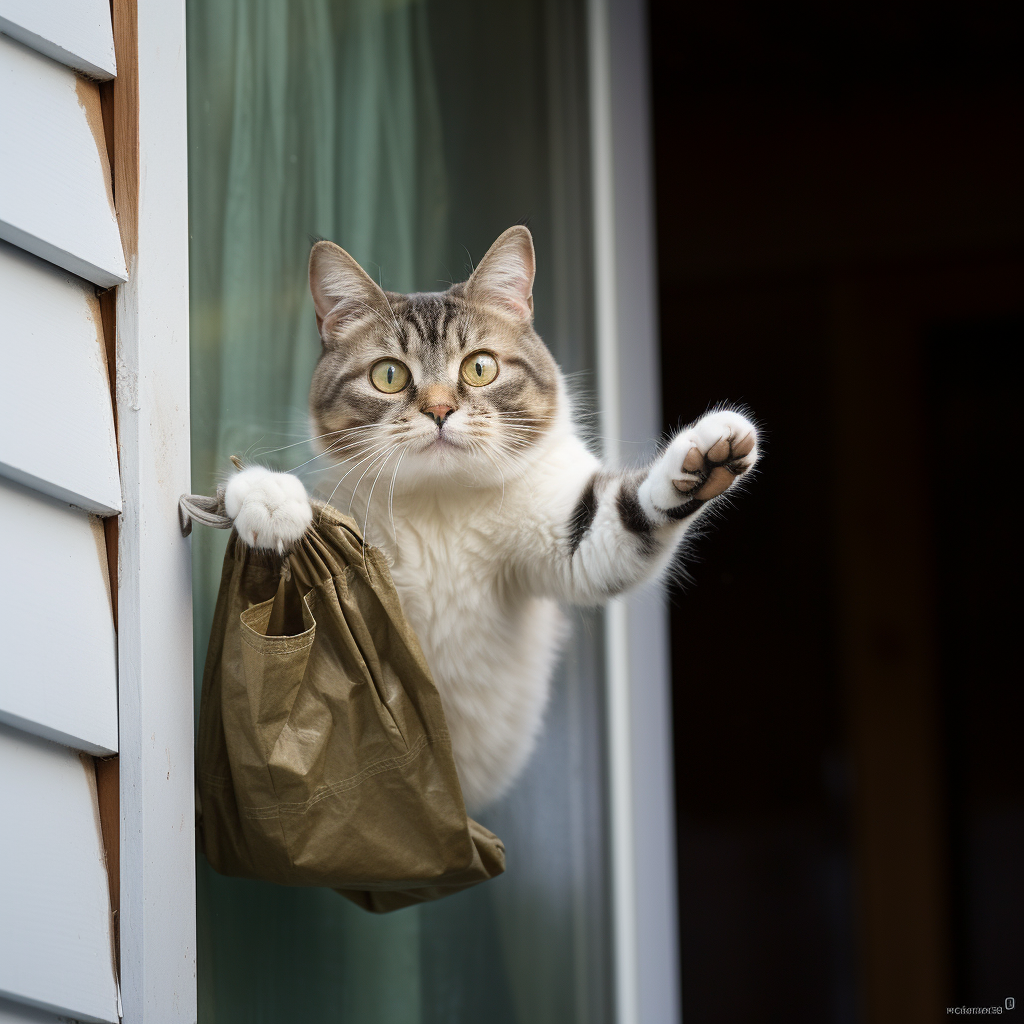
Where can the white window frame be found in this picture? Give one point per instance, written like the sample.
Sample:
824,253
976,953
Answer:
157,844
638,673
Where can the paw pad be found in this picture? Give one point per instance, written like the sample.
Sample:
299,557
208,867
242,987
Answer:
719,453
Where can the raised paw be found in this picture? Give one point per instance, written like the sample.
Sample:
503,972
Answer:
270,510
703,462
721,448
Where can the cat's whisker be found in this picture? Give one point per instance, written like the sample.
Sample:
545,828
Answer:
391,493
347,458
380,451
352,470
368,445
524,429
309,440
331,450
369,497
337,446
366,517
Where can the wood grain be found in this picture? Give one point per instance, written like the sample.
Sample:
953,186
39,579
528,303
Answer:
126,124
108,799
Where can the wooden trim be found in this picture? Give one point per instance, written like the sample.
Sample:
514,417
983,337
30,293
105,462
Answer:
125,101
108,799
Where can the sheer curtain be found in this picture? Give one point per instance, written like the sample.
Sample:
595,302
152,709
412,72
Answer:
411,132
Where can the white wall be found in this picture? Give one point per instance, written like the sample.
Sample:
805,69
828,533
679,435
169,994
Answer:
58,474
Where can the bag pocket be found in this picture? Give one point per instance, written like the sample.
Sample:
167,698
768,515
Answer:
273,668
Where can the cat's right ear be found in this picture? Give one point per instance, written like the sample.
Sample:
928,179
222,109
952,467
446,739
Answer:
342,290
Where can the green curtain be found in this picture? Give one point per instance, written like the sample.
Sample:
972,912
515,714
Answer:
311,118
307,119
411,132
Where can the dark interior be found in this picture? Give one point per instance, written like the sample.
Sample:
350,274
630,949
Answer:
840,218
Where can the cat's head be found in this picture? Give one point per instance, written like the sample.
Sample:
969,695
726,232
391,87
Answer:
456,384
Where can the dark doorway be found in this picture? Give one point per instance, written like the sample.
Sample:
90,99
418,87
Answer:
841,248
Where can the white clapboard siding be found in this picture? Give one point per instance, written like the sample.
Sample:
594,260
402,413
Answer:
75,32
58,672
18,1013
56,948
56,419
55,195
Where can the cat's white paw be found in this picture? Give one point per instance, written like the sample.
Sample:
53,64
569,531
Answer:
704,461
270,510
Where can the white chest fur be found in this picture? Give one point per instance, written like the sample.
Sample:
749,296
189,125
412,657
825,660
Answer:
491,646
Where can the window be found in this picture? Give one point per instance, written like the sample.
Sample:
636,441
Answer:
412,134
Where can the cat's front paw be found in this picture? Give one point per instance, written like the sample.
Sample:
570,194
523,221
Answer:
270,510
704,461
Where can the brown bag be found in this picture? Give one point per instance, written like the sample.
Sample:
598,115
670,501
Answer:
323,755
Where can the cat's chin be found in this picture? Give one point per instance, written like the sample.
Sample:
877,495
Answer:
442,463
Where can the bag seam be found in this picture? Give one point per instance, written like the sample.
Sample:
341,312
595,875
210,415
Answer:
275,644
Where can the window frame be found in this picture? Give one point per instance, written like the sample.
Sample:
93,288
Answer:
157,917
637,673
157,845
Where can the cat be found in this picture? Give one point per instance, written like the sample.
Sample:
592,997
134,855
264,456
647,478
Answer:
493,510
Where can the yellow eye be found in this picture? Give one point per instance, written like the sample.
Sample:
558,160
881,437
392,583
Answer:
479,369
389,376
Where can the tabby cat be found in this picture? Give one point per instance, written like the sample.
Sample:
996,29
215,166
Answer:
450,422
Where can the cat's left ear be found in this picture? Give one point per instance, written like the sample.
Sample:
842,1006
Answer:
504,278
342,289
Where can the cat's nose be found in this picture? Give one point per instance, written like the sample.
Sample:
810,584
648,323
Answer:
438,413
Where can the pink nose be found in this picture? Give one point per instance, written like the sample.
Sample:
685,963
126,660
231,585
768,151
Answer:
438,413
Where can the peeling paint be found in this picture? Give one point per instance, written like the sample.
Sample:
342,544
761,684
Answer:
89,100
127,386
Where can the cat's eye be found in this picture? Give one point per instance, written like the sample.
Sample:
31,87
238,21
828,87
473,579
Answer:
479,369
389,376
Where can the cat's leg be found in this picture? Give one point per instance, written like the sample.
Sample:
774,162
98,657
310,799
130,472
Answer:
270,510
625,527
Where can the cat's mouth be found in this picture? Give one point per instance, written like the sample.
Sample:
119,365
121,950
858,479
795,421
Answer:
442,440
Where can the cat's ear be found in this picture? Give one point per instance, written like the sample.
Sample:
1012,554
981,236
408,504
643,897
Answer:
341,289
504,278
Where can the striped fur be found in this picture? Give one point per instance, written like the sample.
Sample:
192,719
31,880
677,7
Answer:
495,512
